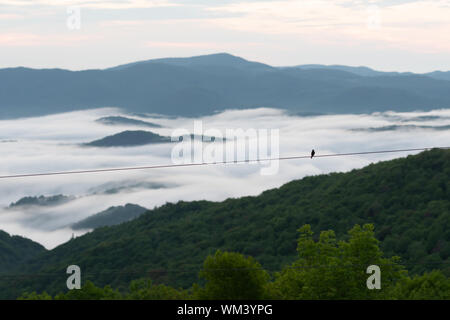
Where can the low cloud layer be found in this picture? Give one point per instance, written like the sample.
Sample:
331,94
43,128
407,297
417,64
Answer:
52,143
81,34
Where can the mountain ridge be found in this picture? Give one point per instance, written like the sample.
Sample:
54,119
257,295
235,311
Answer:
111,216
203,85
129,138
15,250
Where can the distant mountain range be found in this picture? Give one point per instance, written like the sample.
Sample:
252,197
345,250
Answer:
110,217
126,186
131,138
128,139
403,127
118,120
41,201
206,84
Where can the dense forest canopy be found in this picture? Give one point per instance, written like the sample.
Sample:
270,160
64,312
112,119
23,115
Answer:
407,200
324,269
15,250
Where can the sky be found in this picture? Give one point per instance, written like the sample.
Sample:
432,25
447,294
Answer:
387,35
52,143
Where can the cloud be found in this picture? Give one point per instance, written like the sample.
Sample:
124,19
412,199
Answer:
200,45
325,21
412,34
11,16
51,143
13,39
94,4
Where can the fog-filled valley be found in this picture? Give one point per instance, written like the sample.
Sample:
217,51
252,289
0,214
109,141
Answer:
58,143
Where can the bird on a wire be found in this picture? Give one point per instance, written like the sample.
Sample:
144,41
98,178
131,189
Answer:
312,153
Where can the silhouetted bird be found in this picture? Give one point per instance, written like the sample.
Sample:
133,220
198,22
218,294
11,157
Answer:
312,153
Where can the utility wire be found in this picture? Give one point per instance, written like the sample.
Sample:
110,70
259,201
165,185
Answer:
196,269
208,163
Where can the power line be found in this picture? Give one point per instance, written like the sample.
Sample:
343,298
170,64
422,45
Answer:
209,163
399,264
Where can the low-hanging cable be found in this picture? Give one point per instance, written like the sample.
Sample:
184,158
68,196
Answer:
209,163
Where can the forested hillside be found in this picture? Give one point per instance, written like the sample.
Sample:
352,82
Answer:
407,200
323,269
15,250
110,217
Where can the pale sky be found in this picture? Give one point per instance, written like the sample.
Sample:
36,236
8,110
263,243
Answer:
388,35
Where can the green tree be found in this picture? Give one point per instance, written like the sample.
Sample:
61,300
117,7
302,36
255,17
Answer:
87,292
429,286
35,296
143,289
331,269
229,276
90,292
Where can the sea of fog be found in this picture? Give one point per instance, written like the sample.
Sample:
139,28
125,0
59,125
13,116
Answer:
53,143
